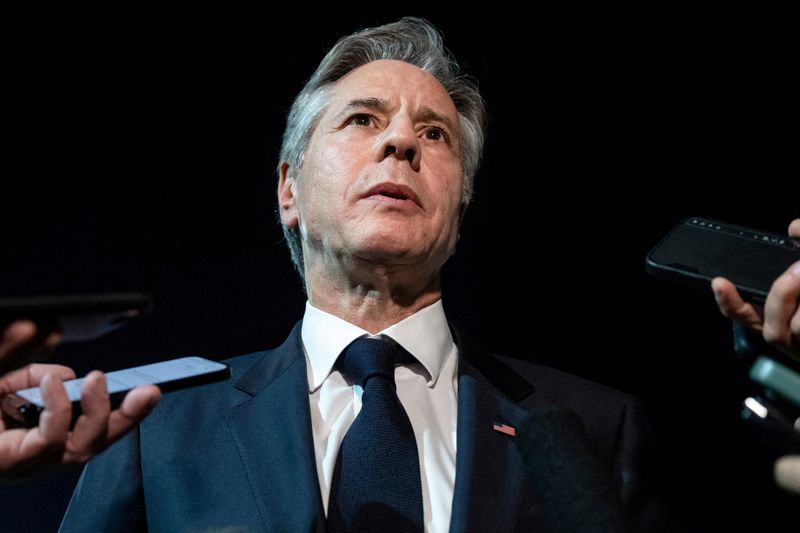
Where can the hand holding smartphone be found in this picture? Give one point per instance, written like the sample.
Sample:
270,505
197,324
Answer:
698,250
25,406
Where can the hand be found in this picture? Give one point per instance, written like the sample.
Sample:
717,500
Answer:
20,344
779,319
787,472
25,452
779,323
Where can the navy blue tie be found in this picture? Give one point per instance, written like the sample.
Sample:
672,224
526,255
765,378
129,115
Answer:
376,481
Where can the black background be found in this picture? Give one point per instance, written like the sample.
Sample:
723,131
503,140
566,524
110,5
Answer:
140,155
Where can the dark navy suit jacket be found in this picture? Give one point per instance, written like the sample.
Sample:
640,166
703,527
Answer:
239,454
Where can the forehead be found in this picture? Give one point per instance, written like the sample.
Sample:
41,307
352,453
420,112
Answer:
397,82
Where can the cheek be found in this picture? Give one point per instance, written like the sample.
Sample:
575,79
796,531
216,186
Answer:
323,184
316,174
448,198
333,167
450,190
454,196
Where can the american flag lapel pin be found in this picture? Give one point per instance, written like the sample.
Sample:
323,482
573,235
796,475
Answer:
505,429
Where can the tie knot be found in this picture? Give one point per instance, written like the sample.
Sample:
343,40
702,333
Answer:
366,357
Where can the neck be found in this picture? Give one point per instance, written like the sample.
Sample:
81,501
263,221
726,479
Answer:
373,298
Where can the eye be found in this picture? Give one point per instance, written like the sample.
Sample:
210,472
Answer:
360,119
435,134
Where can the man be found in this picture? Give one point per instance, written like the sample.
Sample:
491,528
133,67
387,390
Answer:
376,171
53,443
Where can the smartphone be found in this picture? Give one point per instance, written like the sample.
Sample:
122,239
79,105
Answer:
700,249
776,407
25,405
79,317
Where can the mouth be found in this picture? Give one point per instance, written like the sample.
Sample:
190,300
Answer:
393,192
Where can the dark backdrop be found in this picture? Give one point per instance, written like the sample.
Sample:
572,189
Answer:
141,151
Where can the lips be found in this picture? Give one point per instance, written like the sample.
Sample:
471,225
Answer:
394,191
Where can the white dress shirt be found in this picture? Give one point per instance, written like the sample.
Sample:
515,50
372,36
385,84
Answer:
427,390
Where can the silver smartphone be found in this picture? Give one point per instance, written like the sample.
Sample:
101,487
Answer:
25,405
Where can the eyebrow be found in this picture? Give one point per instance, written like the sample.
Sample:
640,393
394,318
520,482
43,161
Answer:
380,105
373,104
429,115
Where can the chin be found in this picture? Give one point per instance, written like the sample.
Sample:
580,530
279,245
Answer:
389,254
389,248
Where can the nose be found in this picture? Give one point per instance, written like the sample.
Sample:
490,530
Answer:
400,141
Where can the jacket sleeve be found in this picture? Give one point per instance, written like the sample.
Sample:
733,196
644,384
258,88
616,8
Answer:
109,494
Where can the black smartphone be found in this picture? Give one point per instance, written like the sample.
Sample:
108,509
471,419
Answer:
700,249
25,405
79,317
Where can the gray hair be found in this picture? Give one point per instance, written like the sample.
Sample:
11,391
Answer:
413,40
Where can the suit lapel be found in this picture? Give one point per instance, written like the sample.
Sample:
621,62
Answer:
490,481
272,430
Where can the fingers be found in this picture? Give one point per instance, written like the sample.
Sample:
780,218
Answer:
13,339
787,472
36,373
25,451
794,228
32,376
22,342
16,334
52,443
55,420
89,433
137,404
53,339
732,306
98,426
782,312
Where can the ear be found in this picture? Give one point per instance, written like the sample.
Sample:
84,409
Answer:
287,198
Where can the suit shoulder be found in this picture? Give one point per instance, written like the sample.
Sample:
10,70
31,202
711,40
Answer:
242,363
531,384
556,386
208,400
611,418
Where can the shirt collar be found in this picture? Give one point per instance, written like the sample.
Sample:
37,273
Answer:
425,334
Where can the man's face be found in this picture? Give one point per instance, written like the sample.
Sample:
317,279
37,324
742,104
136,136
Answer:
382,177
